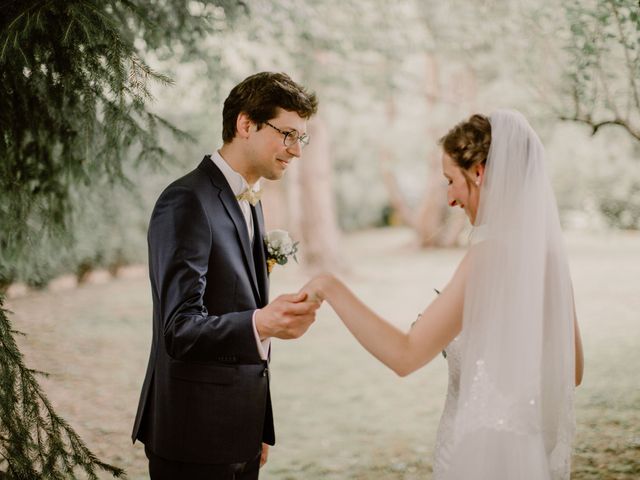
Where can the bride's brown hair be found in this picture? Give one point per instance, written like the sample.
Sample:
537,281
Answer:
468,142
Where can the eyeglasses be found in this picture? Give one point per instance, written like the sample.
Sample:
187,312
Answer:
291,137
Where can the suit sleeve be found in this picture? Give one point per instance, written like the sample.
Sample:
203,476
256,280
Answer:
179,249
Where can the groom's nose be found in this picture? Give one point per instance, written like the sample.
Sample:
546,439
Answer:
295,150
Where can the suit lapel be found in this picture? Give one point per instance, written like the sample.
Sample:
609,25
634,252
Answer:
232,207
259,252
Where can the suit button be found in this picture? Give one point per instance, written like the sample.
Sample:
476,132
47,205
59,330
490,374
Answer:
265,372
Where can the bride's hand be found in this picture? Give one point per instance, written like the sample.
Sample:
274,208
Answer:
316,287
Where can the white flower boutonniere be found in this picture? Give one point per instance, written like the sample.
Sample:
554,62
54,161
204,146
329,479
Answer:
280,247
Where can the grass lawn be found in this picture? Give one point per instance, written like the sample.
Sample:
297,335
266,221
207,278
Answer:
339,413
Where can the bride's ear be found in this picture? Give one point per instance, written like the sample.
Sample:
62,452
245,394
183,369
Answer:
479,170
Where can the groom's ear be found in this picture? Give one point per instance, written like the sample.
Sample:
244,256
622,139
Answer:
243,125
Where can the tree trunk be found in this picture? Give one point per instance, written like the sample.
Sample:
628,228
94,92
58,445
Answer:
303,203
434,224
318,217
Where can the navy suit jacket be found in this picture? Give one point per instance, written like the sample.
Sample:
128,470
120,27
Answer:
205,397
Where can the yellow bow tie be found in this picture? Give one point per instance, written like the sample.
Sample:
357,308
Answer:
251,196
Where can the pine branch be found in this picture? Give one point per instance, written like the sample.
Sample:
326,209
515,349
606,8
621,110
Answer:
57,133
36,442
73,94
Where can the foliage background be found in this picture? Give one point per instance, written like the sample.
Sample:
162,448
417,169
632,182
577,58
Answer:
360,57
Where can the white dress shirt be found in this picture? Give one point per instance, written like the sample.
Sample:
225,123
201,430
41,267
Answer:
238,185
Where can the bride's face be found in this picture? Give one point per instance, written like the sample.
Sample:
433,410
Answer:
462,191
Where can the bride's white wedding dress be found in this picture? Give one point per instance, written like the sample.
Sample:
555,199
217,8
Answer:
509,408
558,460
444,438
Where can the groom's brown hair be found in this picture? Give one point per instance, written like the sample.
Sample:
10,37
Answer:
260,95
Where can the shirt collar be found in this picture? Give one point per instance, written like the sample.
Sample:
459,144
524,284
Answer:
235,180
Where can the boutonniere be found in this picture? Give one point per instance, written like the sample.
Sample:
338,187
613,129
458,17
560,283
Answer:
280,247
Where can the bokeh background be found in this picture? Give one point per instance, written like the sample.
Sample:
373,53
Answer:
367,200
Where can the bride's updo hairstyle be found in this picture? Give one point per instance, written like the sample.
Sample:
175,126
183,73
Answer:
468,143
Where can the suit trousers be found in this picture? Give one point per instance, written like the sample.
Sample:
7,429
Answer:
163,469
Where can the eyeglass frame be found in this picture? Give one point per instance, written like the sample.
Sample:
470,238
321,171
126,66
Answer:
302,139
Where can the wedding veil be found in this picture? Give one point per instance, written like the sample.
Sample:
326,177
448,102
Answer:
515,406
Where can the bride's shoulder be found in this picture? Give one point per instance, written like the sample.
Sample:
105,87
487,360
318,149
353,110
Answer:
462,270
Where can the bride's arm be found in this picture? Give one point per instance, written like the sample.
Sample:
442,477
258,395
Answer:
402,352
579,360
578,346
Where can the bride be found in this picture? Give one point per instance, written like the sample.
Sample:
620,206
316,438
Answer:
506,319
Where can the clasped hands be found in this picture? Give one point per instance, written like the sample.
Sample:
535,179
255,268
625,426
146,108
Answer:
290,315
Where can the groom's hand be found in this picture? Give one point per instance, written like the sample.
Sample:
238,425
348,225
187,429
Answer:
288,316
264,455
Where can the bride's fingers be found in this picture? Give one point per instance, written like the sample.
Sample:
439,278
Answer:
314,297
312,294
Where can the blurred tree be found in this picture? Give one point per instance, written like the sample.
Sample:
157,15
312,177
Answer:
600,86
350,53
73,93
454,58
433,222
603,70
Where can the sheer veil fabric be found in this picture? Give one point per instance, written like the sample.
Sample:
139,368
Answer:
515,407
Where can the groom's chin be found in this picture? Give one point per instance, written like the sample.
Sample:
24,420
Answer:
275,175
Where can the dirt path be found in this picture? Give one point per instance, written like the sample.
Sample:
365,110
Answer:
339,414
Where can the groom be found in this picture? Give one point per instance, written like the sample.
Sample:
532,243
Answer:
205,408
